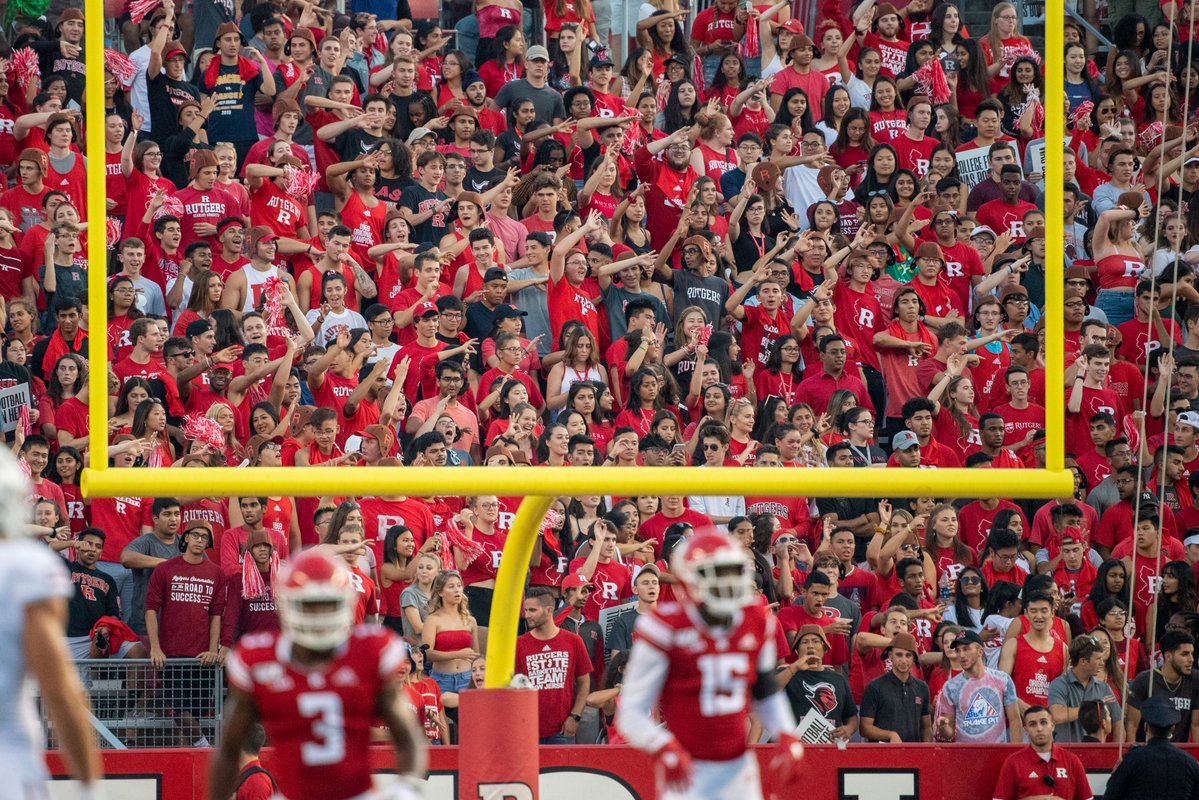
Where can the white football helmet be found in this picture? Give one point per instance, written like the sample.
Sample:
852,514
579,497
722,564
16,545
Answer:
16,506
316,578
716,573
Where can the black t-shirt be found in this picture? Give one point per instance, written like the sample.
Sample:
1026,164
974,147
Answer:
389,190
165,98
1184,696
824,690
477,181
95,596
354,144
418,199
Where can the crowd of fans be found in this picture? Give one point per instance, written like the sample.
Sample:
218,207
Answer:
345,239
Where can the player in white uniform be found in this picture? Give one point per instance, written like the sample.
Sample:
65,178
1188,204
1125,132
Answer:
701,661
34,588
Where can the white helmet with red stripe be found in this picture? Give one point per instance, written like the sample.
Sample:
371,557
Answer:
316,600
716,573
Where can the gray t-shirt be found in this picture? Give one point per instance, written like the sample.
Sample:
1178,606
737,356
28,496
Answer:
1067,691
414,597
534,300
147,545
615,300
709,293
547,102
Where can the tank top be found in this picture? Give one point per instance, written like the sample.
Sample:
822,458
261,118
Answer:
391,598
254,283
571,376
1118,271
1033,670
448,641
716,163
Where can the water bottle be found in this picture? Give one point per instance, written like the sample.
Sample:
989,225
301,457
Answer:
946,591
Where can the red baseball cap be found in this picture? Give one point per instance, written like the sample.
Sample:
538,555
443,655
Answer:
424,309
792,25
575,581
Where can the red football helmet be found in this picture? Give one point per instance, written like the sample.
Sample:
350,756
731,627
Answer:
716,573
316,601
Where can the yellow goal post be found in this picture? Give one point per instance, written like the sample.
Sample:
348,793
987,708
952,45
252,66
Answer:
541,484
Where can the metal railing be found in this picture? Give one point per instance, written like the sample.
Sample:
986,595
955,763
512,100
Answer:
135,705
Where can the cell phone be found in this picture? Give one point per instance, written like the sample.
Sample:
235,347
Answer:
679,448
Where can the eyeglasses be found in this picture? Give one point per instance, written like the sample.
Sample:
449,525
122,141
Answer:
514,349
969,580
1004,557
383,321
183,354
489,506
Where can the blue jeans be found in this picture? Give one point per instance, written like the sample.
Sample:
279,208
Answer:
123,577
451,681
1119,307
558,738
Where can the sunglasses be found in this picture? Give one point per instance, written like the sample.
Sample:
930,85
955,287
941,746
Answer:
969,580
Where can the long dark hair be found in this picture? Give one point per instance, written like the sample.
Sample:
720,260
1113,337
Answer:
1002,593
960,607
673,116
391,552
785,117
775,362
1099,590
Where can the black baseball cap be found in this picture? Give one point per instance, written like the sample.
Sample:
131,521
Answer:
507,311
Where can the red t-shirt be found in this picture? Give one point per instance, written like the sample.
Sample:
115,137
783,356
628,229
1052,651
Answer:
552,666
186,597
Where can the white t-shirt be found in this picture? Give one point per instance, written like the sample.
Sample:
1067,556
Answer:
351,319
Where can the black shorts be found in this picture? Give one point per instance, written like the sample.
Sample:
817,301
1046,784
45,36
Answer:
479,599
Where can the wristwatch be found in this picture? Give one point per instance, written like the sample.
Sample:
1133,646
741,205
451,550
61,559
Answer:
576,717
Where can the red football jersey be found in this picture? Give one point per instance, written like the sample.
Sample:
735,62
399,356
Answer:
319,720
706,700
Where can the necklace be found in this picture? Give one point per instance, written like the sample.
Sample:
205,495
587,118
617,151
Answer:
1173,689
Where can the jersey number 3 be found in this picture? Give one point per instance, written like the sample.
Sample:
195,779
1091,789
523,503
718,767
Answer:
328,727
722,690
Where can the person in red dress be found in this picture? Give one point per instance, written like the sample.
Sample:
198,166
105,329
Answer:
705,661
317,686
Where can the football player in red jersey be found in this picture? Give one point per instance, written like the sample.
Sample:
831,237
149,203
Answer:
717,647
317,686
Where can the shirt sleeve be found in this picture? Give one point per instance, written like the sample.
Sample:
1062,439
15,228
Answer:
1005,786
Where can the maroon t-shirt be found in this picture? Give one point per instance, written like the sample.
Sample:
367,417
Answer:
552,665
186,597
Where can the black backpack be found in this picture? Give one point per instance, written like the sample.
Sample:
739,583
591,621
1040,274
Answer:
246,775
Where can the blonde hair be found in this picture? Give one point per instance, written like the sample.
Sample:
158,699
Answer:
436,603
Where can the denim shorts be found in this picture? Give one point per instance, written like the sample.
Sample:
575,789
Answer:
451,681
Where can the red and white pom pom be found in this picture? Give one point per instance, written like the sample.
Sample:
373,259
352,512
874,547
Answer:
705,333
1081,116
553,520
140,9
381,42
23,67
25,420
930,82
1023,50
301,183
1152,136
112,233
456,537
155,457
203,429
120,66
173,206
272,300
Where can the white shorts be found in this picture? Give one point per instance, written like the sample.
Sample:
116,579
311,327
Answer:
81,647
737,779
